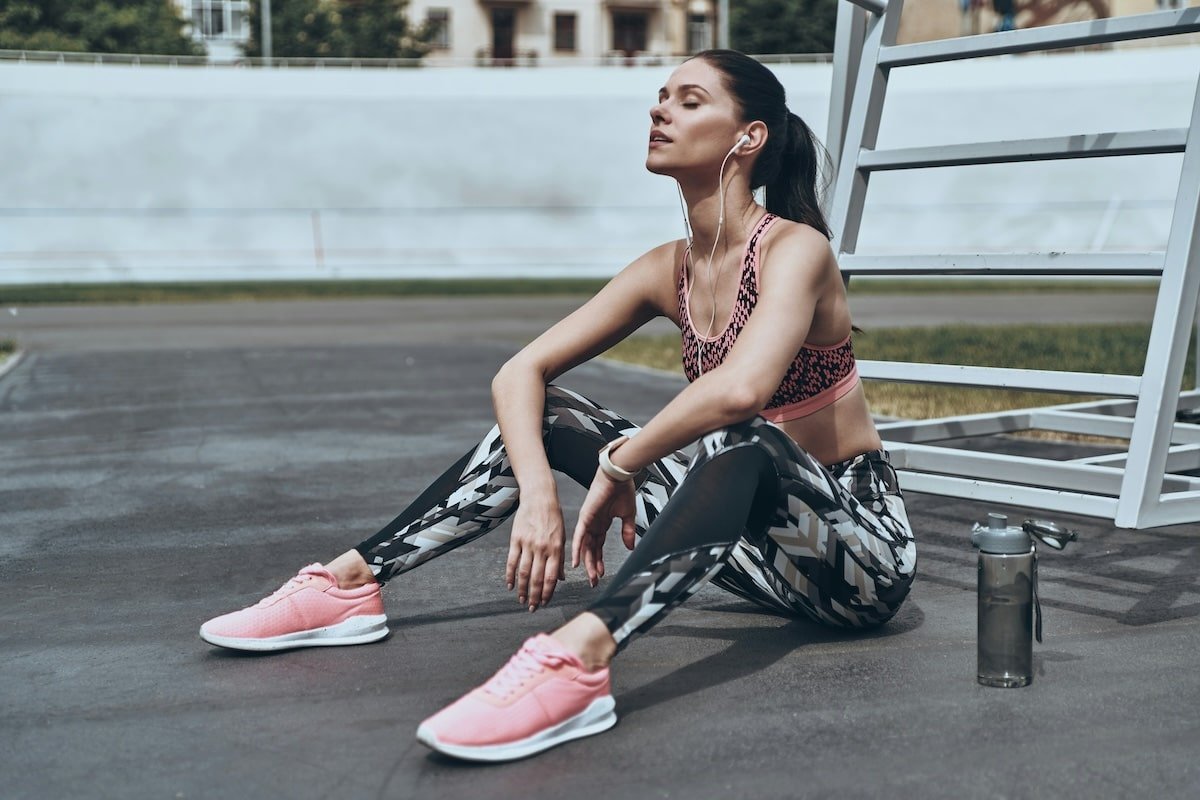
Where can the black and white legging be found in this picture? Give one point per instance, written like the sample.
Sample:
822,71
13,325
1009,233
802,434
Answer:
752,512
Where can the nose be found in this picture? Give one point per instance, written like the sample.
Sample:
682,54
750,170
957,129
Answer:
657,113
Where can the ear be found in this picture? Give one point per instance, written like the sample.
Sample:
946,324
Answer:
757,131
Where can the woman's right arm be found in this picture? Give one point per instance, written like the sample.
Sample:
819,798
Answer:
640,292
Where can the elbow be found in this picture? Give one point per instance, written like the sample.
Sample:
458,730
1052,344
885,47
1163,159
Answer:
742,401
516,370
503,378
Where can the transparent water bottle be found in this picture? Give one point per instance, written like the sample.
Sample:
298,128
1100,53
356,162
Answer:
1009,612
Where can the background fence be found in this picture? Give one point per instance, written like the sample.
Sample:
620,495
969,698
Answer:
116,173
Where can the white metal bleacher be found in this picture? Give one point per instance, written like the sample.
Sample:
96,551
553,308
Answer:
1141,488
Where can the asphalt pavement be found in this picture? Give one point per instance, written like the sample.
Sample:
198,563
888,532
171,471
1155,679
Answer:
163,464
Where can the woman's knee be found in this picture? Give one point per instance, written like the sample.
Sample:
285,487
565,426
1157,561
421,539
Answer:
567,409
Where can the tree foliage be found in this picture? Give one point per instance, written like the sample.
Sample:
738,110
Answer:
95,26
760,27
339,29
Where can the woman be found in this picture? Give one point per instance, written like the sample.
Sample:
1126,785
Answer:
789,501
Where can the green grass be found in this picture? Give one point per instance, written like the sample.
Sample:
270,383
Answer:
7,348
1116,349
238,291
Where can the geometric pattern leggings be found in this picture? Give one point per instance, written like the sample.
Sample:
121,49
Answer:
751,511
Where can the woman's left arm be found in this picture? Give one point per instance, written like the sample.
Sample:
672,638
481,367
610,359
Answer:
792,275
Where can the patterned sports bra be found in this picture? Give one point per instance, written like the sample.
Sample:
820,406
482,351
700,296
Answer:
817,377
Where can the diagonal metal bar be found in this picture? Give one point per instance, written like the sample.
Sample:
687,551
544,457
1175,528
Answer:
862,131
1073,34
1090,145
1174,314
876,7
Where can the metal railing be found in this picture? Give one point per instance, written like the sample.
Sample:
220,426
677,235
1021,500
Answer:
526,58
1143,487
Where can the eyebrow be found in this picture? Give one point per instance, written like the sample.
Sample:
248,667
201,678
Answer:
685,88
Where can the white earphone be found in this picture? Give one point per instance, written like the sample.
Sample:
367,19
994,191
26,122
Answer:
742,141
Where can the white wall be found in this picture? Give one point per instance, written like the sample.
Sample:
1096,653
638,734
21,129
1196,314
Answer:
123,173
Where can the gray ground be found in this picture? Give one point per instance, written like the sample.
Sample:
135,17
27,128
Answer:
159,465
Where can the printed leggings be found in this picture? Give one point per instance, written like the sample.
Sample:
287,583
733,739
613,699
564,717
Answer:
752,511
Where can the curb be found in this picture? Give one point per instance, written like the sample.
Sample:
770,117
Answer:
11,363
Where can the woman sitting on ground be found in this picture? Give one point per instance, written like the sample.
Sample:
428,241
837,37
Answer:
789,500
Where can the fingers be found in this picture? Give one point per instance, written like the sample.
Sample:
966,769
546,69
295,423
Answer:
545,573
510,566
524,571
576,544
593,559
535,574
536,582
589,563
551,577
628,532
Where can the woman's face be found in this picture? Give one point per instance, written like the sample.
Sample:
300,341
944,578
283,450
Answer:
694,123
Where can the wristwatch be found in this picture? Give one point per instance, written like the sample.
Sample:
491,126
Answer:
608,467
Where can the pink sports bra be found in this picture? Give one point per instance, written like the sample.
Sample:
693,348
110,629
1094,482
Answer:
818,376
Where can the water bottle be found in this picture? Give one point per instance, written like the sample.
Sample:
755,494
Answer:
1009,612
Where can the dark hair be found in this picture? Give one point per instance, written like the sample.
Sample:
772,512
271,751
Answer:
793,162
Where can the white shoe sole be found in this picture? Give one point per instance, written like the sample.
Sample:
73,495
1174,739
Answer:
356,630
597,717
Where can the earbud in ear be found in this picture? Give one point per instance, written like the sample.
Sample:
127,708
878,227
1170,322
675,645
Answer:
742,142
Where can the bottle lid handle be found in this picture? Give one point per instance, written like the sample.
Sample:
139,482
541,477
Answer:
1049,533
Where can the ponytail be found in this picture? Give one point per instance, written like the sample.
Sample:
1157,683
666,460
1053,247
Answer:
793,166
800,176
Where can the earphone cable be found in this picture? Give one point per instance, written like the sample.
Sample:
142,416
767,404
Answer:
712,320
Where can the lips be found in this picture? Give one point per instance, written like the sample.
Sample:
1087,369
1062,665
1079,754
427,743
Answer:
658,136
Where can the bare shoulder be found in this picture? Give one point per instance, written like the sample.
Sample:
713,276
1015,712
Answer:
665,258
797,250
657,273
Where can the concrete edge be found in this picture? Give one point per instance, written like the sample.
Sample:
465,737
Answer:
11,363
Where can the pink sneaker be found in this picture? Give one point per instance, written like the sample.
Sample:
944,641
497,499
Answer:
307,611
542,697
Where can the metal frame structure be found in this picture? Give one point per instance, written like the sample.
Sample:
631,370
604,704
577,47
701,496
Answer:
1141,488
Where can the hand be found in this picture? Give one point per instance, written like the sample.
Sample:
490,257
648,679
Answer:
606,500
535,551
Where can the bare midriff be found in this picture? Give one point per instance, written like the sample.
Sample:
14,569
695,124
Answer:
839,431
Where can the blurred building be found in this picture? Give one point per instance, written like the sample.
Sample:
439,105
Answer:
503,32
509,32
221,25
529,32
924,20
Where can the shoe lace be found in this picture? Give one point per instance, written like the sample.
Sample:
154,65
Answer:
287,588
528,662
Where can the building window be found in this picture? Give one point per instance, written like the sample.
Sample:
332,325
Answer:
699,33
629,31
219,19
438,19
564,32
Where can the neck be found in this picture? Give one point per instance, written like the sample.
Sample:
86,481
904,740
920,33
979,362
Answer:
704,211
